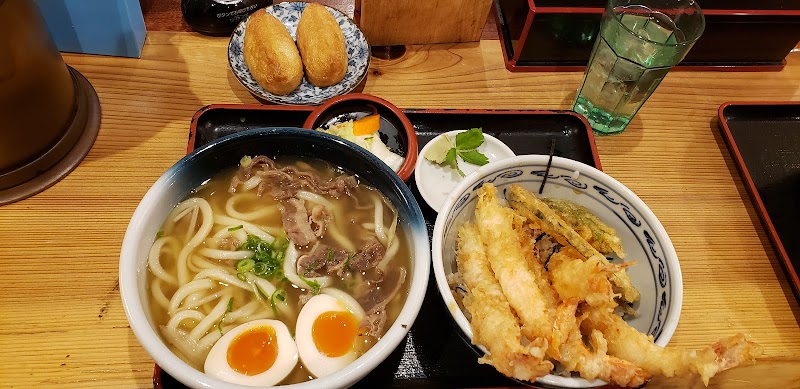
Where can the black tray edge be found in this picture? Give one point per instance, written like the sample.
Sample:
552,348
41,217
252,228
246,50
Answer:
741,166
589,133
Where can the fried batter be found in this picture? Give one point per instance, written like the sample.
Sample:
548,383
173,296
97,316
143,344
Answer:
575,356
563,302
587,280
535,265
497,228
512,261
626,342
493,323
566,341
598,234
526,204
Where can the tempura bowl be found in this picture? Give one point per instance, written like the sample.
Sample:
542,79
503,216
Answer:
657,274
224,153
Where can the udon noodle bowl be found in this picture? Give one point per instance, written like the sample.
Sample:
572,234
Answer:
277,272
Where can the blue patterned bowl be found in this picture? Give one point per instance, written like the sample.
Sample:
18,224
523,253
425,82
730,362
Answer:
358,56
224,153
657,274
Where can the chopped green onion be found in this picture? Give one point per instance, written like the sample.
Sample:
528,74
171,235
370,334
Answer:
315,287
277,294
260,268
267,257
230,309
347,262
261,293
245,265
239,227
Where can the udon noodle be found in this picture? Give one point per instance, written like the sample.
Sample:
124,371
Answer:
259,241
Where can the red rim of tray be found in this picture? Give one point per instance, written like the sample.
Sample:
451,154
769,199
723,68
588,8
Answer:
772,233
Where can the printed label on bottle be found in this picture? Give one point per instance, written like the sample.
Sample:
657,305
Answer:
238,14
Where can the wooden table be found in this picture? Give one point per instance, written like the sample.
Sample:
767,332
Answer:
61,318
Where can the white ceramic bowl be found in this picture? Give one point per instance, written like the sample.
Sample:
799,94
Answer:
435,182
223,153
657,275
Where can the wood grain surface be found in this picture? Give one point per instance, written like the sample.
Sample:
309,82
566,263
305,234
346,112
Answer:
61,318
398,22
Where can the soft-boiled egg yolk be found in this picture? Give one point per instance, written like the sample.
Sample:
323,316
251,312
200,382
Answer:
335,332
257,353
326,335
253,351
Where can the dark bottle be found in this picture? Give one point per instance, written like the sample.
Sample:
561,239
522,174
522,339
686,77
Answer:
218,17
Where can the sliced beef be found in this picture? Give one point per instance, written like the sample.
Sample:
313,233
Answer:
304,297
381,293
309,264
339,264
375,298
245,172
336,263
373,324
322,259
368,255
295,222
277,184
320,217
339,186
283,183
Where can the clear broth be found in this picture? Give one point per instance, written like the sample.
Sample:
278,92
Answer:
356,211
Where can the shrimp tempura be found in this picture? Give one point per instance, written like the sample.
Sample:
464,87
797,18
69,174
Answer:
493,323
626,342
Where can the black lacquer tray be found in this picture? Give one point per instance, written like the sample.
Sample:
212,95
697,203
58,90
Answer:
764,140
434,353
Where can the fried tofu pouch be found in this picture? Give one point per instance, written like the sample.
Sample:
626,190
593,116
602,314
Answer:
322,46
271,54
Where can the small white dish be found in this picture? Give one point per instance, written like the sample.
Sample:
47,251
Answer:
435,182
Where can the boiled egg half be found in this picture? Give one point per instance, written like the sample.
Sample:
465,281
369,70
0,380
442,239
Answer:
257,353
326,335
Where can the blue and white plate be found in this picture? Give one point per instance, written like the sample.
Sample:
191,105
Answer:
358,56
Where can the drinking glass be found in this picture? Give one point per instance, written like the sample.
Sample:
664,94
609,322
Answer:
639,41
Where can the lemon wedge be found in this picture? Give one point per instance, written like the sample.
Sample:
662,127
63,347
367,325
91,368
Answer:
437,152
